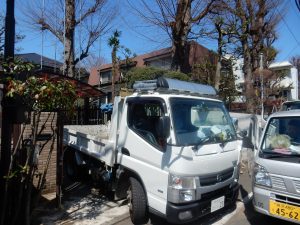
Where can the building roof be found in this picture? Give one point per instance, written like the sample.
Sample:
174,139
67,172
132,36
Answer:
280,65
140,59
36,59
94,78
85,89
196,51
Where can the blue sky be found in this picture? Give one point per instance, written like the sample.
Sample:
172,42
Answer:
288,42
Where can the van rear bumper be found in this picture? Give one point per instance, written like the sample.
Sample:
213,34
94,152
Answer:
183,213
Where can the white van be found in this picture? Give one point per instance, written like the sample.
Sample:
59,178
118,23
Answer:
276,168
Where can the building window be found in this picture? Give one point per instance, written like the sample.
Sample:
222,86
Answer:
105,77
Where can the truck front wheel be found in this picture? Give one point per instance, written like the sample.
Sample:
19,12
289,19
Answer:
137,202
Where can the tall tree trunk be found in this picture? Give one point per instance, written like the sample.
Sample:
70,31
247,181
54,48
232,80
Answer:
115,70
69,64
257,27
247,70
180,30
220,55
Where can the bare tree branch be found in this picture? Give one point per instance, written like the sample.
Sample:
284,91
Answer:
73,23
203,13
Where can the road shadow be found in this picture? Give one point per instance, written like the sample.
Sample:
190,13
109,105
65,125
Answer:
252,217
205,220
255,218
80,200
244,191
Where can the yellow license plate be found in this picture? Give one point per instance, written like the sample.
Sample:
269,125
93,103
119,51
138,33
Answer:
284,210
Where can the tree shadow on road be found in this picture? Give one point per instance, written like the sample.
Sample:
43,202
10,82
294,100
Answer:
205,220
253,217
81,201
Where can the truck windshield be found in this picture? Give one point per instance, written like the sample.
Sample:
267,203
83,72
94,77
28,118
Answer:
197,122
282,136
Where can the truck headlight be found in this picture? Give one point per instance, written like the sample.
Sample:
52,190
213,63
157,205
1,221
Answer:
261,176
181,189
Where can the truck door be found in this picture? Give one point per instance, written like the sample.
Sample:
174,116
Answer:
142,149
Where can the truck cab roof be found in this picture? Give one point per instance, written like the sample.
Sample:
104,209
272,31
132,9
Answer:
164,85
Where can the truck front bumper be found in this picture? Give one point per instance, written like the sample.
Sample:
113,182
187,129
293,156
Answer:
262,198
183,213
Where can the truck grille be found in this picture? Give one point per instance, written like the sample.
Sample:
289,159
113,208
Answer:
215,193
216,178
278,183
297,185
288,200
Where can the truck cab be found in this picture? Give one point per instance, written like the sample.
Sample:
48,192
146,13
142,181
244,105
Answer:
181,148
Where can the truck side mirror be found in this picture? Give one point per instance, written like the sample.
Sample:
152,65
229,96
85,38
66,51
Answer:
163,127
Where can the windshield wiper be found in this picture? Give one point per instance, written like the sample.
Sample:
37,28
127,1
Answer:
201,142
209,139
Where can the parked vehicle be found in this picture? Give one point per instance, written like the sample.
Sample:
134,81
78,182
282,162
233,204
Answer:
171,149
290,105
276,167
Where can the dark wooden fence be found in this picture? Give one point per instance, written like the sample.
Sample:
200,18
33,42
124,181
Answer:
91,116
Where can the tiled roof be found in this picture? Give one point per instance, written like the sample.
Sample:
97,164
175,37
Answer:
140,59
85,89
36,59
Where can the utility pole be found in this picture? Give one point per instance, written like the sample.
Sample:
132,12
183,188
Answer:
261,83
6,132
9,49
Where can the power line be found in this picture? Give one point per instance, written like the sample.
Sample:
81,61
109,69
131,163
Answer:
289,29
290,52
298,4
295,9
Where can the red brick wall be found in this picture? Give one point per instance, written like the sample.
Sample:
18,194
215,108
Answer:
47,120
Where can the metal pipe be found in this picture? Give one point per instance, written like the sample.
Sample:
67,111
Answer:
261,84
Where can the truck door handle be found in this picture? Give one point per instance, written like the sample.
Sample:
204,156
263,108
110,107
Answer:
125,151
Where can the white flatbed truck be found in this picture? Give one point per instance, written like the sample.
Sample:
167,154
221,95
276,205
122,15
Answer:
171,149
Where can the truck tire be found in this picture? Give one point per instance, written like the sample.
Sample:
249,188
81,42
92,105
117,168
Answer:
137,202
